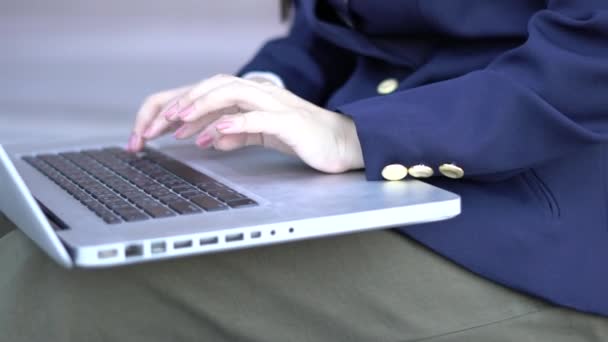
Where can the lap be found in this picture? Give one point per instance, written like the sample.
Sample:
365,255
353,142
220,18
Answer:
374,286
5,225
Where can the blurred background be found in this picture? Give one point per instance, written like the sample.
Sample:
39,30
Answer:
75,68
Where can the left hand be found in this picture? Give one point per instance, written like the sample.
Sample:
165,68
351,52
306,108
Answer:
267,115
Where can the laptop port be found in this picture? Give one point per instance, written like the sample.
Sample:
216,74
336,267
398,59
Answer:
134,250
107,253
182,244
158,247
235,237
255,235
209,241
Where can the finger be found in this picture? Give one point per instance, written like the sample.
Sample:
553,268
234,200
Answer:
243,96
211,137
279,124
184,104
151,107
227,142
158,127
188,129
146,114
148,111
235,141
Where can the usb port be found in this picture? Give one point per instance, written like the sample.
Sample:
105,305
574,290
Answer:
209,241
107,253
134,250
235,237
182,244
158,247
255,235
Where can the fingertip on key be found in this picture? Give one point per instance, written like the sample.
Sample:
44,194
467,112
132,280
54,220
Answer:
135,143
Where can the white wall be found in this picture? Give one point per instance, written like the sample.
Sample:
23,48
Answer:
68,64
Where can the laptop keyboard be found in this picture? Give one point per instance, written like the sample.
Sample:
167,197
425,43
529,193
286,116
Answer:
125,187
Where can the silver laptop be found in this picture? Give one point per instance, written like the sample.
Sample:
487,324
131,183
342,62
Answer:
89,204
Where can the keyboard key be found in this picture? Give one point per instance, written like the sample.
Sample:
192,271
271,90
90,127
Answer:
157,210
160,192
170,198
208,203
131,214
226,195
183,207
184,171
118,205
210,186
191,193
111,219
242,203
183,188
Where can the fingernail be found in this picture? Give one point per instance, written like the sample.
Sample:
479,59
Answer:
180,132
171,111
221,126
204,140
186,111
131,146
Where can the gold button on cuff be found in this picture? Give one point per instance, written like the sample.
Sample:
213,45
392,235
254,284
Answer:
451,171
394,172
387,86
420,171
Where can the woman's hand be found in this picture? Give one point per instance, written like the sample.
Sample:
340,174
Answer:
228,112
148,120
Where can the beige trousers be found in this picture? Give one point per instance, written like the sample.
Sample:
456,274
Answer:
375,286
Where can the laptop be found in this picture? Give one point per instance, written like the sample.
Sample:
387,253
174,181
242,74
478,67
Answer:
91,204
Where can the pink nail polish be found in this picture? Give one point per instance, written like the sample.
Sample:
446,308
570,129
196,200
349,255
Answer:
186,111
204,140
171,111
179,132
131,146
224,125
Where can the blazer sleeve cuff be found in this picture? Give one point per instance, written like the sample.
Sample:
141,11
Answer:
292,77
267,76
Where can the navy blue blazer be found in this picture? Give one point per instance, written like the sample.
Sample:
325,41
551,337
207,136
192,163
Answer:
513,92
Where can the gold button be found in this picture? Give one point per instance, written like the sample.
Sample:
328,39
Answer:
420,171
451,171
394,172
387,86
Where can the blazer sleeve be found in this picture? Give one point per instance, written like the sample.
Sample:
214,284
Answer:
308,65
537,102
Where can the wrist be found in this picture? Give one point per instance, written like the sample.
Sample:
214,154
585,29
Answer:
353,154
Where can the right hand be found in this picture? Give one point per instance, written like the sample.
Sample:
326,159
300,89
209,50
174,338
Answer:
150,121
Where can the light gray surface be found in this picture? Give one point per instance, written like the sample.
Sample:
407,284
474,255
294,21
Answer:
74,68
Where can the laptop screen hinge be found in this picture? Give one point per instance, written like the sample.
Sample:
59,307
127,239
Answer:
54,220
